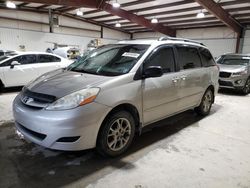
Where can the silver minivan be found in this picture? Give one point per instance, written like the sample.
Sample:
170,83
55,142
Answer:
103,99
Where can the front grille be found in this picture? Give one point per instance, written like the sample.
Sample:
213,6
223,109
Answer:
39,97
225,83
32,133
225,74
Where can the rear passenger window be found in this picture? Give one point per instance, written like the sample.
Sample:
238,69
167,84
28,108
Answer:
163,57
48,59
207,58
188,57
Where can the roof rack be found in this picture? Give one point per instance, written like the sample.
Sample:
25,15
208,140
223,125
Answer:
179,39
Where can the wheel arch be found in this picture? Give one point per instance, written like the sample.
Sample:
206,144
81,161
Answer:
1,85
126,107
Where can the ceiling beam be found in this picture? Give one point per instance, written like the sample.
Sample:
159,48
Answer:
68,9
72,3
183,10
193,19
183,2
139,20
132,3
102,5
22,4
42,6
216,9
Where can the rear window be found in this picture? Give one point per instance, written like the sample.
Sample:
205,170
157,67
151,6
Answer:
188,57
48,59
207,58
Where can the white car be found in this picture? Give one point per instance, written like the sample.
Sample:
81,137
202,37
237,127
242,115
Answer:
19,68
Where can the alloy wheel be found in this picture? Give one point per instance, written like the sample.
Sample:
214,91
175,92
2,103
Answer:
207,101
119,134
247,87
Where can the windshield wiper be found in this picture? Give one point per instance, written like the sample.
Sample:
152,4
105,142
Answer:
84,71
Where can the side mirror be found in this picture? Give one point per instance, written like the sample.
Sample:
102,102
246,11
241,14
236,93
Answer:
13,63
153,71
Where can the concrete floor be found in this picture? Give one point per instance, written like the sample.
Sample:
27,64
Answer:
184,151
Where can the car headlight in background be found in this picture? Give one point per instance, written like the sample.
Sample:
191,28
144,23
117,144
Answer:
241,73
73,100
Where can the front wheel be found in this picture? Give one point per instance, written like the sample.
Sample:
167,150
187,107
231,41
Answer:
246,89
116,134
206,103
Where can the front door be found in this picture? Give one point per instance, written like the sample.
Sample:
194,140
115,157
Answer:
20,75
160,95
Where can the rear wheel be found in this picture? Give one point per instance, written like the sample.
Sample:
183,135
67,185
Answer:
246,89
206,103
116,134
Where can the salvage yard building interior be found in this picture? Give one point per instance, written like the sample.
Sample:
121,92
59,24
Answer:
171,124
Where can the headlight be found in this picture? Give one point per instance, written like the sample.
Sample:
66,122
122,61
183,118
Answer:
244,72
75,99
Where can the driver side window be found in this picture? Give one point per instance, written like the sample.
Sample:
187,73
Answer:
8,63
163,57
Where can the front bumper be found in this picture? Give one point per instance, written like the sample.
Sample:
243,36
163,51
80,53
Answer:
237,82
74,129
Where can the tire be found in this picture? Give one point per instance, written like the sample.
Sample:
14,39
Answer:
246,89
116,134
206,103
1,86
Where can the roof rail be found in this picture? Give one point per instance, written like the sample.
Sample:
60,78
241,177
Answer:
180,39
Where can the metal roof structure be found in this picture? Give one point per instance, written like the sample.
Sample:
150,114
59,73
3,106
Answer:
135,15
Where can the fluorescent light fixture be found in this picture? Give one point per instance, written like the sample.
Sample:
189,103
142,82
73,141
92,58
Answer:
154,20
79,12
117,24
10,4
200,15
115,4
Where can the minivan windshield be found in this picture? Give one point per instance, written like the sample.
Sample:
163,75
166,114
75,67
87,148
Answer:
234,60
109,60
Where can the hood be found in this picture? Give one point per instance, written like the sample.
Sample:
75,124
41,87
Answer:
62,82
232,68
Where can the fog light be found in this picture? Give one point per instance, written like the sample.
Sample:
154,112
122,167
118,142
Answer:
68,139
238,81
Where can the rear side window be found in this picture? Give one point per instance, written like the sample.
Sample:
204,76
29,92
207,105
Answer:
207,58
163,57
48,59
188,57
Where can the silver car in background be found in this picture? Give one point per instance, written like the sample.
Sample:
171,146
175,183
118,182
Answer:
106,97
235,72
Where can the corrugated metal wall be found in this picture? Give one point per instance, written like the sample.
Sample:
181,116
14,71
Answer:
246,44
11,39
219,40
36,36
